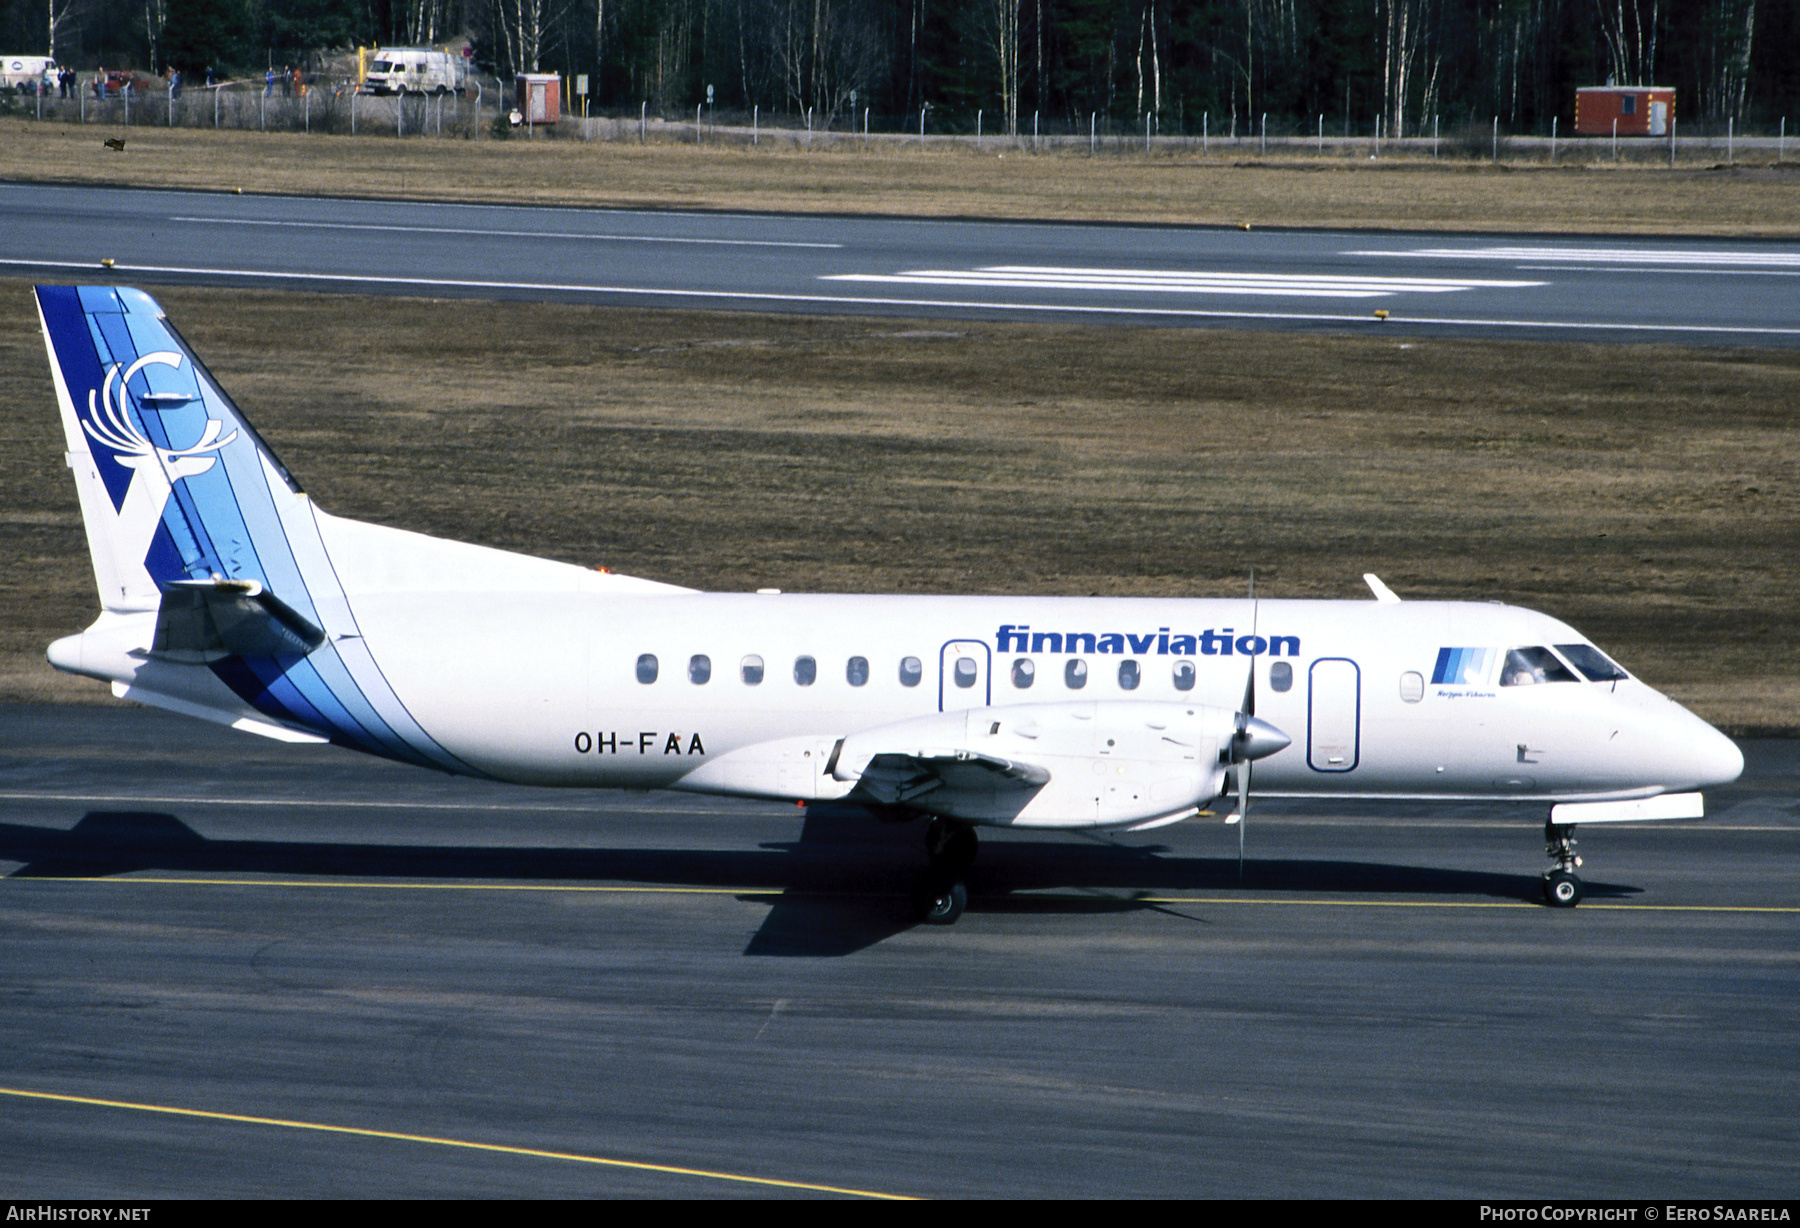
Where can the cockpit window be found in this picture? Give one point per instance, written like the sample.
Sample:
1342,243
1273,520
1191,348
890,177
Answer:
1593,663
1528,666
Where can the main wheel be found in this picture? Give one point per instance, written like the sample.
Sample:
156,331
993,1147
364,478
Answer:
1562,890
937,902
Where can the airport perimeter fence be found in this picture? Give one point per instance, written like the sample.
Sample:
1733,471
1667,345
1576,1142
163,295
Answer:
485,112
326,107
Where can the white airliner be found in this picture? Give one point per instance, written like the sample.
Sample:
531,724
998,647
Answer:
227,595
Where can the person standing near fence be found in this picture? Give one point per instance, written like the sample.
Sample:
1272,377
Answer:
174,84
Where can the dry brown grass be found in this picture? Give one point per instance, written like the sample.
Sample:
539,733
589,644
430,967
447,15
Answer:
1647,494
939,181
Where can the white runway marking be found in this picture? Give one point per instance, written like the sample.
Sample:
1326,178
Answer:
1163,281
1600,255
498,234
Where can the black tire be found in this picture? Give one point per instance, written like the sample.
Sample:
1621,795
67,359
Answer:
937,902
1562,890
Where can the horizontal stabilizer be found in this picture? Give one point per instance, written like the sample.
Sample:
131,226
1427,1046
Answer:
205,620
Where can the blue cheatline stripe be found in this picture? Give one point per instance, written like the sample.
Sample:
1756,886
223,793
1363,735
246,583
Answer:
1445,662
1456,666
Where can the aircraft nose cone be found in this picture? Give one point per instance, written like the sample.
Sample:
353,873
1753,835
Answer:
1259,739
1717,759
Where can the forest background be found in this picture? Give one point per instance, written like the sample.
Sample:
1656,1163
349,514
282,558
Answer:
1177,65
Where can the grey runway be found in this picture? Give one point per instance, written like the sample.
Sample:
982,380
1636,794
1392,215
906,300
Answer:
376,981
1572,288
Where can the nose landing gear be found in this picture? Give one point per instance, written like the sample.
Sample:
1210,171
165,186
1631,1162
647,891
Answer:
1562,889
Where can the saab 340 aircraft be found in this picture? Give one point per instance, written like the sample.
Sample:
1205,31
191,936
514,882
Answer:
227,595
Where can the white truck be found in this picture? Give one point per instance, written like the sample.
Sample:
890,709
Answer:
414,70
27,73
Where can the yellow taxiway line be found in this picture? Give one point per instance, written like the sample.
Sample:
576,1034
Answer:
437,1141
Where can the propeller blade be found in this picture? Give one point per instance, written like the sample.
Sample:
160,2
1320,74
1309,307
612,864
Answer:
1243,775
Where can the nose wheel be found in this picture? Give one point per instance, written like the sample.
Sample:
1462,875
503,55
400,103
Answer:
1562,889
940,895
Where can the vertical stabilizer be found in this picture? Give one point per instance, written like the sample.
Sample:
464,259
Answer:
219,593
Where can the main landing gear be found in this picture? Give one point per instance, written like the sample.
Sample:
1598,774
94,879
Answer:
1561,888
940,895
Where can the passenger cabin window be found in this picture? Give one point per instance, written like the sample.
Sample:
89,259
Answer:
1412,686
1075,674
1595,665
805,671
963,672
752,670
1183,672
699,669
646,668
1529,666
911,670
1024,673
856,671
1281,676
1130,674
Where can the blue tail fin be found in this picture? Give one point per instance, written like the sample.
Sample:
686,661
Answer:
220,594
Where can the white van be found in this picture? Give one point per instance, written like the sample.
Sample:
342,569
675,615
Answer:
414,70
26,72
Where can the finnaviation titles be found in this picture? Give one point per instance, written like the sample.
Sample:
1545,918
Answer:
1223,642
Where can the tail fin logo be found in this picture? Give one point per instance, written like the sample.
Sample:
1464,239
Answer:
113,426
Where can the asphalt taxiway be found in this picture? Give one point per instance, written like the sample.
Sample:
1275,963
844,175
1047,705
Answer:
235,967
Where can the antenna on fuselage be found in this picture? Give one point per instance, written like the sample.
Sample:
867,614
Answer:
1383,594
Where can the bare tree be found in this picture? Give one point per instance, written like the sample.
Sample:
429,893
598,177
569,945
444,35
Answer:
1003,36
1728,37
824,51
58,12
1629,30
1408,52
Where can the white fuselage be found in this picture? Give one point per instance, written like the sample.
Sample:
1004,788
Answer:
549,693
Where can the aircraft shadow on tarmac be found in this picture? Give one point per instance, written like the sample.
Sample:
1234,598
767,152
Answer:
839,888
